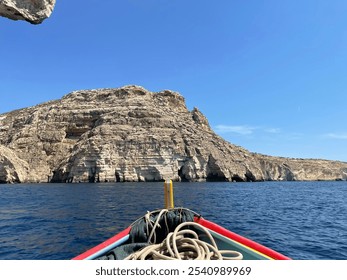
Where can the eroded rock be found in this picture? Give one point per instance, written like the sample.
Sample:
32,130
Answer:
12,168
33,11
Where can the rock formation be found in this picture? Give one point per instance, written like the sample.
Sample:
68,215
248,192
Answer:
33,11
12,169
131,134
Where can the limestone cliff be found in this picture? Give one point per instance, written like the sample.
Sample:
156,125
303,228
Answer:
33,11
131,134
12,169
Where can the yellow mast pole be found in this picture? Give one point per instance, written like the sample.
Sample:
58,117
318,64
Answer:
168,194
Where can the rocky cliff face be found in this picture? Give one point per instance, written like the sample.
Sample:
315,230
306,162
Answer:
12,168
131,134
33,11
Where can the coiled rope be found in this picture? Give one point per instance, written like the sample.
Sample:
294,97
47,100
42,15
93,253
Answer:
184,244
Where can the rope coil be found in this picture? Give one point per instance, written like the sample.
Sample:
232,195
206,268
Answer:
184,244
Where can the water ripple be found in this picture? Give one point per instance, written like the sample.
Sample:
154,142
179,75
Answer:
303,220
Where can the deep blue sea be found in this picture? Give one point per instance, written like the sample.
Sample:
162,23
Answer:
303,220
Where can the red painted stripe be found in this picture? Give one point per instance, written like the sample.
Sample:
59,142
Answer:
243,240
103,245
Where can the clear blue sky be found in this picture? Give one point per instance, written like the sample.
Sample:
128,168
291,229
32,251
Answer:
270,76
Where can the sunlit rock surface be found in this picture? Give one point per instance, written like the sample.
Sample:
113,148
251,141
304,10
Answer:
33,11
132,134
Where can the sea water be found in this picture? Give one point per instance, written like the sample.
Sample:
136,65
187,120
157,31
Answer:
303,220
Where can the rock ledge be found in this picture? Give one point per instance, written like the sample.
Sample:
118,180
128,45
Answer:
33,11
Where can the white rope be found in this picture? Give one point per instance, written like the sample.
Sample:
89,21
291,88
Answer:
177,246
156,224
